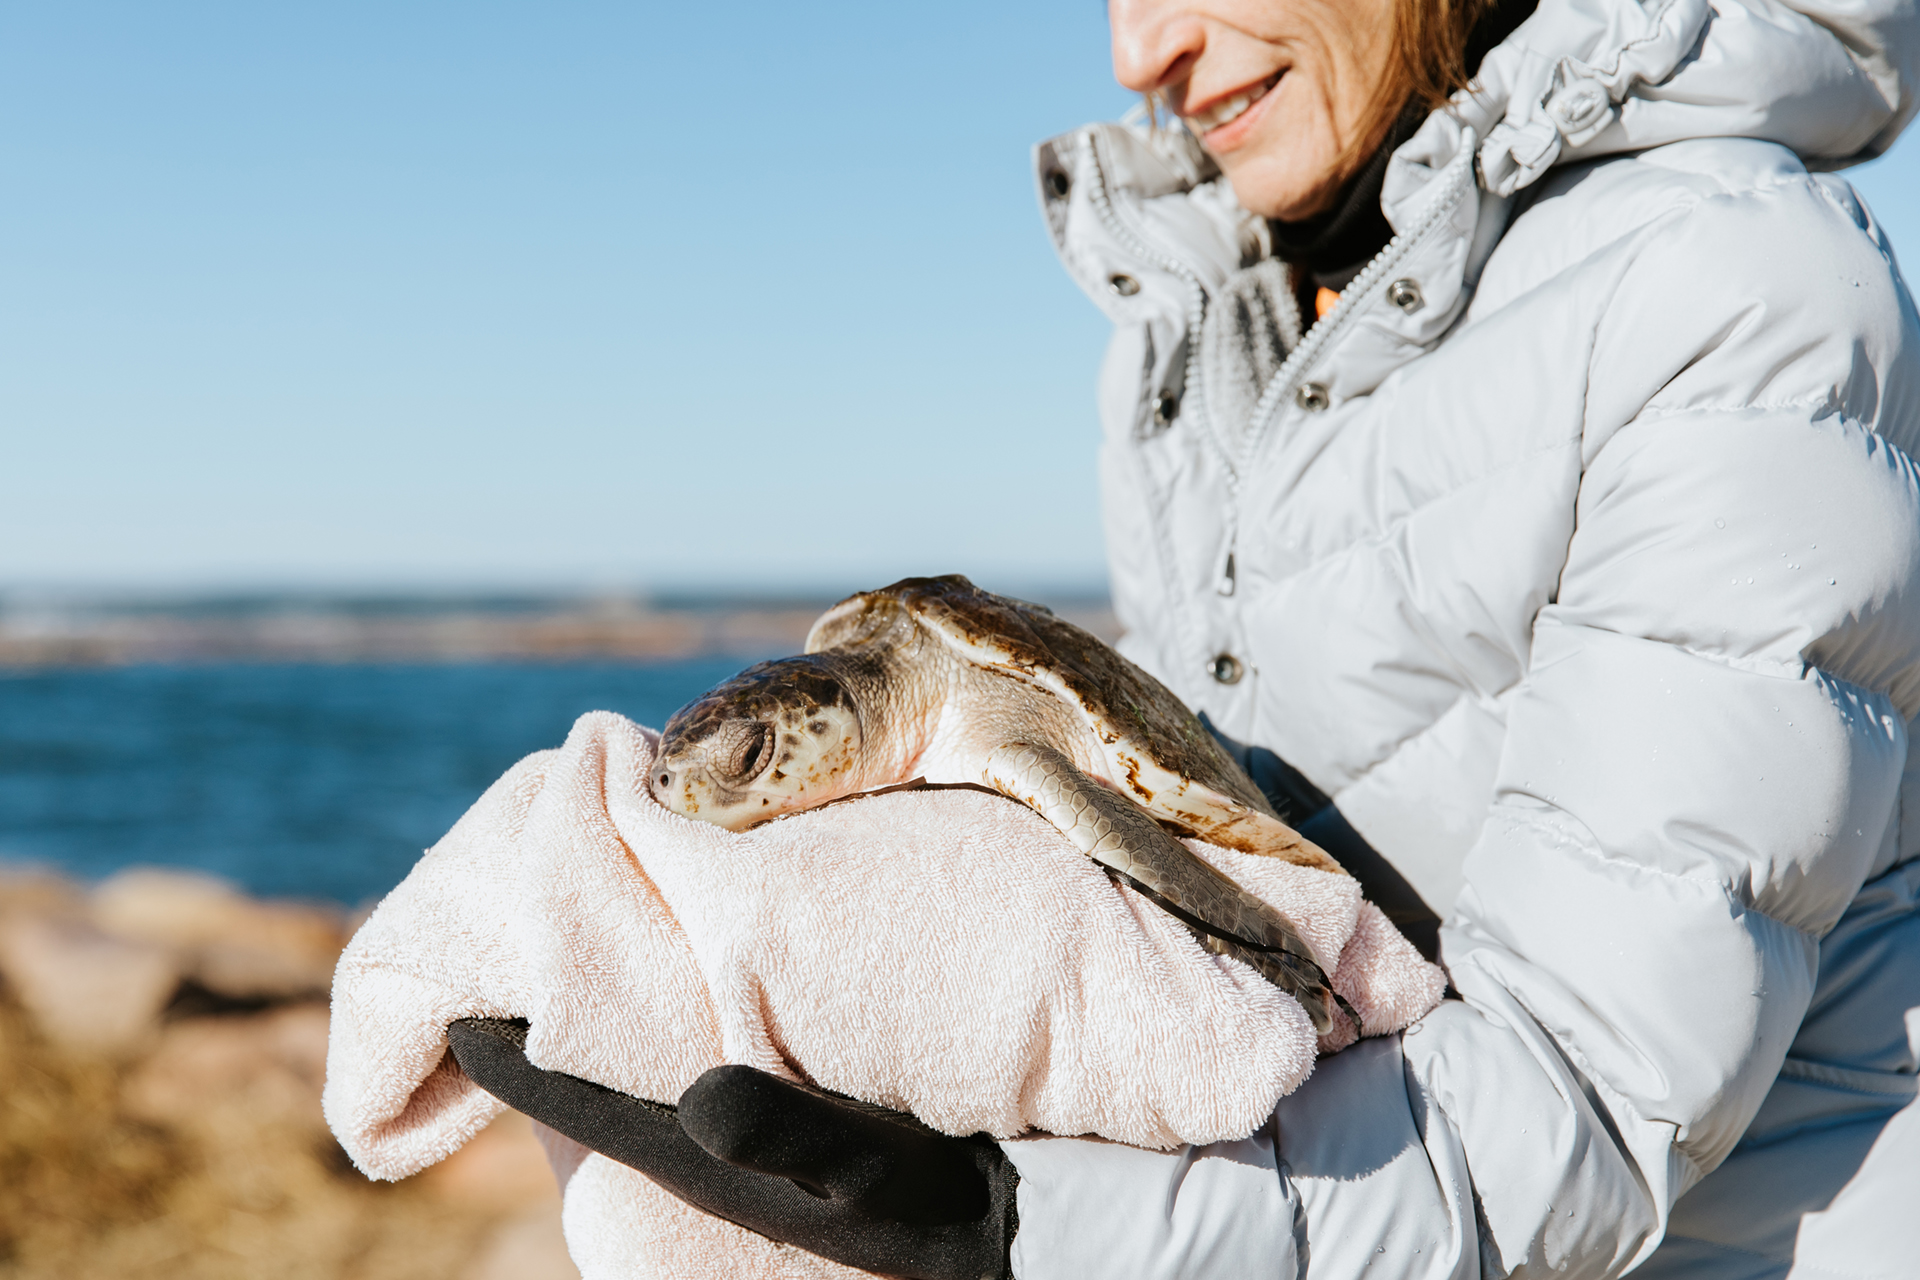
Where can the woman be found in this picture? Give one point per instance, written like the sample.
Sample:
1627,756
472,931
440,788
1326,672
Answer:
1573,552
1527,465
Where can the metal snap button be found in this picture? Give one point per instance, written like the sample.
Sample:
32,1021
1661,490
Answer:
1312,396
1227,669
1125,286
1058,183
1405,294
1165,409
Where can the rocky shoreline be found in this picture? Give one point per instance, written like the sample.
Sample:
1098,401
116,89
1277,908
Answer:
270,629
616,630
162,1051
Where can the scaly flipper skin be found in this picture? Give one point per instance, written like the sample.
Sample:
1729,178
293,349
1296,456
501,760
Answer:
1222,820
1119,835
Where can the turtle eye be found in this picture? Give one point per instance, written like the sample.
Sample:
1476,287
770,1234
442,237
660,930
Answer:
750,752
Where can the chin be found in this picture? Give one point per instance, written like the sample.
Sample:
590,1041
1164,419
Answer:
1277,177
1281,192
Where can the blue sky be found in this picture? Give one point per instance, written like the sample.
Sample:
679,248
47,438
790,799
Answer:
581,294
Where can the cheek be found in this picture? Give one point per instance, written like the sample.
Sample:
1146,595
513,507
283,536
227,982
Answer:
740,812
685,793
1288,178
816,757
1300,131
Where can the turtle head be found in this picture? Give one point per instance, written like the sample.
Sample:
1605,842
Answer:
780,736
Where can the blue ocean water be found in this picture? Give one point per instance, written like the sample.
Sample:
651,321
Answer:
321,782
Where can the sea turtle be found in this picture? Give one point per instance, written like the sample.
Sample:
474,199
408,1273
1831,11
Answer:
934,681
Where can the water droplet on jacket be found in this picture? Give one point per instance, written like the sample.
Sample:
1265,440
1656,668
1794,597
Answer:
1719,523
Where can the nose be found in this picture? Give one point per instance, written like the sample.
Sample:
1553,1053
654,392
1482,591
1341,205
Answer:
1155,42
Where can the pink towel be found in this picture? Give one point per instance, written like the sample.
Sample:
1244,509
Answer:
941,952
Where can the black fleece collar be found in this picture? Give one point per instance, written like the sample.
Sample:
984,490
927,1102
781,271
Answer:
1332,247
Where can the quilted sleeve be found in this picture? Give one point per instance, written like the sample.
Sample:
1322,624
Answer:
1703,763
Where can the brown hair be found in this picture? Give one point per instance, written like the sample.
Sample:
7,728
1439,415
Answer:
1426,65
1430,39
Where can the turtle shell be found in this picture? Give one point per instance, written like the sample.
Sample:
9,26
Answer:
1157,749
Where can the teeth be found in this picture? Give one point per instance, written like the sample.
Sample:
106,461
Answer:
1226,112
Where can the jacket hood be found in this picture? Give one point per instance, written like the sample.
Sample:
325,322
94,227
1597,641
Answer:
1832,80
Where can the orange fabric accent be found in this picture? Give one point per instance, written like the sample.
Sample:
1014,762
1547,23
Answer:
1323,302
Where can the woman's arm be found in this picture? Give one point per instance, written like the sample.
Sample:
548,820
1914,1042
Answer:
1702,765
1700,770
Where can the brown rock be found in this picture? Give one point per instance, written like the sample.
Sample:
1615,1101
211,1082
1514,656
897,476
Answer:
229,943
88,1191
38,892
528,1246
502,1169
269,1066
85,988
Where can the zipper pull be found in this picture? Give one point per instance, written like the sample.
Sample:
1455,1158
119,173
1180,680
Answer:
1226,583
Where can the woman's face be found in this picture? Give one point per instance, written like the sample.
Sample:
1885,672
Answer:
1275,89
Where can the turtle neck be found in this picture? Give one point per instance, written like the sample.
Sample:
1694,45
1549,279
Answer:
1330,248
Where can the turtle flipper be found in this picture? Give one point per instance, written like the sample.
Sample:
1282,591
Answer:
1118,835
1222,820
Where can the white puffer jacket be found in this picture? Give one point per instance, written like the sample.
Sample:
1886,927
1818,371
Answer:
1576,554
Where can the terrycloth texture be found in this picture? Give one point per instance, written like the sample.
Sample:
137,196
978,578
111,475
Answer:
621,1226
942,952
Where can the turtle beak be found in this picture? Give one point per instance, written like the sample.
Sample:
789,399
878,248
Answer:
675,786
713,772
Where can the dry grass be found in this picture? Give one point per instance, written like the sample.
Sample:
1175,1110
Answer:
234,1190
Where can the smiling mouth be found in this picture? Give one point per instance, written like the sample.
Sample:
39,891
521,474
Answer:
1228,110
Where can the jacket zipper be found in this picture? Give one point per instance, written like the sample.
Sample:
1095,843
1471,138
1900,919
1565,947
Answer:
1192,394
1454,181
1196,292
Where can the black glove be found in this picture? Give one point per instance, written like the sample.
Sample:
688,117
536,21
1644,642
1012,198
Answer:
1308,810
856,1183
